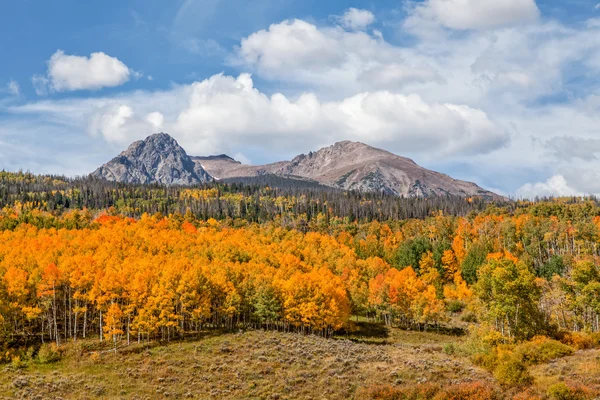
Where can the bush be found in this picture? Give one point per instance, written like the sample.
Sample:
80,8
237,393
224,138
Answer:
449,348
49,353
17,362
469,317
580,340
466,391
541,350
509,362
562,391
512,371
455,306
488,360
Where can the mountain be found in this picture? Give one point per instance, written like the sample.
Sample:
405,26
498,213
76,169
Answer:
352,166
345,165
156,159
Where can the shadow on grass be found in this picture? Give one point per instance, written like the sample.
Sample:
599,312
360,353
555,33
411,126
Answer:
375,333
365,332
449,331
137,348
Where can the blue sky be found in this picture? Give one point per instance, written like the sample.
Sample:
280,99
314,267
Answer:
502,92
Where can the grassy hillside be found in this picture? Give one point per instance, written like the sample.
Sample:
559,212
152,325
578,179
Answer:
375,362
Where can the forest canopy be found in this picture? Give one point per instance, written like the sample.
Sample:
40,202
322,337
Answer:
84,257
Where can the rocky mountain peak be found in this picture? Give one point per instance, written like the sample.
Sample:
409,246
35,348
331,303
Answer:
156,159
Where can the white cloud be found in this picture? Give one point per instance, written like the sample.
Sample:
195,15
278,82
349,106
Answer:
291,44
356,19
471,14
554,186
523,63
332,58
224,108
70,73
597,7
111,123
224,113
13,87
156,119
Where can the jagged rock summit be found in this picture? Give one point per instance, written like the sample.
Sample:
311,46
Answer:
156,159
354,166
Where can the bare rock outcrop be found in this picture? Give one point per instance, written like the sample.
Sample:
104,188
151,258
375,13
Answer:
156,159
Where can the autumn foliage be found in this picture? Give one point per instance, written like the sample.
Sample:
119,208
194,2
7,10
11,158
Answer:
524,271
159,277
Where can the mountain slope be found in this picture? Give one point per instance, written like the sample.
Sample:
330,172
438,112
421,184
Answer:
156,159
354,166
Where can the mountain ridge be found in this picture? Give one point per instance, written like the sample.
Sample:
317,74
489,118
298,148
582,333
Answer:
351,165
345,165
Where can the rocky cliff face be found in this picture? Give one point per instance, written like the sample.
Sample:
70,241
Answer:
356,166
157,159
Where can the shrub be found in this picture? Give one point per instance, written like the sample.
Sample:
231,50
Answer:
469,317
580,340
488,360
466,391
528,394
31,353
17,362
541,350
449,348
95,357
455,306
512,371
562,391
49,353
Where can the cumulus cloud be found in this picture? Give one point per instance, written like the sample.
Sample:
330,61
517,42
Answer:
331,57
472,14
223,112
291,44
223,107
524,62
356,19
70,73
554,186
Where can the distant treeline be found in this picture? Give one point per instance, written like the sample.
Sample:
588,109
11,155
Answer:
254,199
